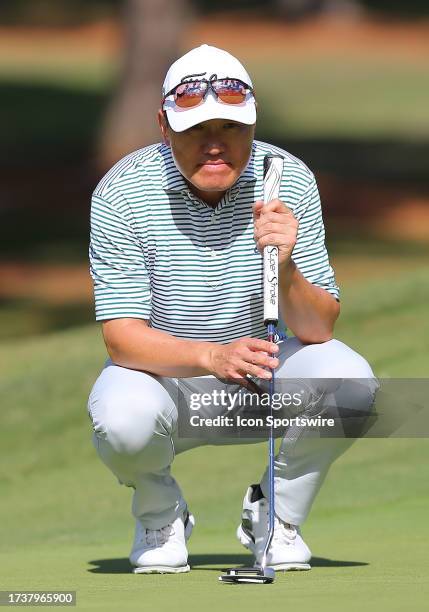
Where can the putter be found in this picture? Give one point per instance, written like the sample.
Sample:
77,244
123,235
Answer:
273,170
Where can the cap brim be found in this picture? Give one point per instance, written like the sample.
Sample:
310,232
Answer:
181,119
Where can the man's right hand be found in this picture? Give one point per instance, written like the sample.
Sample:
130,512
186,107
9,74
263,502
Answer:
242,357
131,343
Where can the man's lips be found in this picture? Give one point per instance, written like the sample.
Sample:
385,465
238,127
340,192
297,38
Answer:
212,165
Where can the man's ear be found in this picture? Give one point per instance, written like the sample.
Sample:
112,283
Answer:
163,126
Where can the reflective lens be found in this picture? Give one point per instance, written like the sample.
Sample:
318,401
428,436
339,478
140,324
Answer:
187,95
228,91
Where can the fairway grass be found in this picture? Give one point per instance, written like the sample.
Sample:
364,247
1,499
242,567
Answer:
65,522
70,529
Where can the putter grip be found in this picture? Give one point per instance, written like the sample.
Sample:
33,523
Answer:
273,170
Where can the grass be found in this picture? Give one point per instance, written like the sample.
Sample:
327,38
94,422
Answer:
65,523
344,97
386,321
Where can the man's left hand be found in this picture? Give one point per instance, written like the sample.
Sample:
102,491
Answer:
275,225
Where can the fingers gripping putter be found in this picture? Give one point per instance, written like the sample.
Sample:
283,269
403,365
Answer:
273,169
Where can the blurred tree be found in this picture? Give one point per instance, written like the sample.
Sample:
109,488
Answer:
153,29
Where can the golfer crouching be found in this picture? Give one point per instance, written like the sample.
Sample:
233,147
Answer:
177,232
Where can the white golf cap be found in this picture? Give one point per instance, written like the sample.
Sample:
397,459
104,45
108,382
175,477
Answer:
206,62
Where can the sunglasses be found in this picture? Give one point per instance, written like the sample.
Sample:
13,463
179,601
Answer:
192,93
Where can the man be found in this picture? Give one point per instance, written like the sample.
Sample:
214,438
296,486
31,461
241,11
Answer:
177,232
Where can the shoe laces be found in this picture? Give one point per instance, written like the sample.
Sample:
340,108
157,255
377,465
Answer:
158,537
284,531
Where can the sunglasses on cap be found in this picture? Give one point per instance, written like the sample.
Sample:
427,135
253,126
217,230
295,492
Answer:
192,93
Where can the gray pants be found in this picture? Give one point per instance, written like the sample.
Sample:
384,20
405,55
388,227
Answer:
135,433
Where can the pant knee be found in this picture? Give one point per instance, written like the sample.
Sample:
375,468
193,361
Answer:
357,385
337,360
332,359
130,421
345,377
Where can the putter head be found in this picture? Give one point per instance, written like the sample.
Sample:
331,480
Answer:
248,575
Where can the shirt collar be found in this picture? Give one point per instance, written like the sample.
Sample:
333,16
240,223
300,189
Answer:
172,180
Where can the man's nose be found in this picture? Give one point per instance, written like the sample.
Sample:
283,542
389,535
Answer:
213,146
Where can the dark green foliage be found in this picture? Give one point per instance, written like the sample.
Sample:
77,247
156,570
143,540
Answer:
69,12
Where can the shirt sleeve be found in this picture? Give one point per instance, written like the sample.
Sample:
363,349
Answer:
310,254
117,265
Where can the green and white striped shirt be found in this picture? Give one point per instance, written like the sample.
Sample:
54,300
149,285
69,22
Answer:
159,253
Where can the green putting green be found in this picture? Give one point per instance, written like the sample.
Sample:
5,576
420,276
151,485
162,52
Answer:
65,522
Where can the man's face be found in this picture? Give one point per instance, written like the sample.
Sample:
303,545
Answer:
211,155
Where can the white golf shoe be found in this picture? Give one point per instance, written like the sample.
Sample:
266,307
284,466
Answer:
287,551
162,551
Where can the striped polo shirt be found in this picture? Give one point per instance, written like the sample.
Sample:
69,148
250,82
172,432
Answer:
159,253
